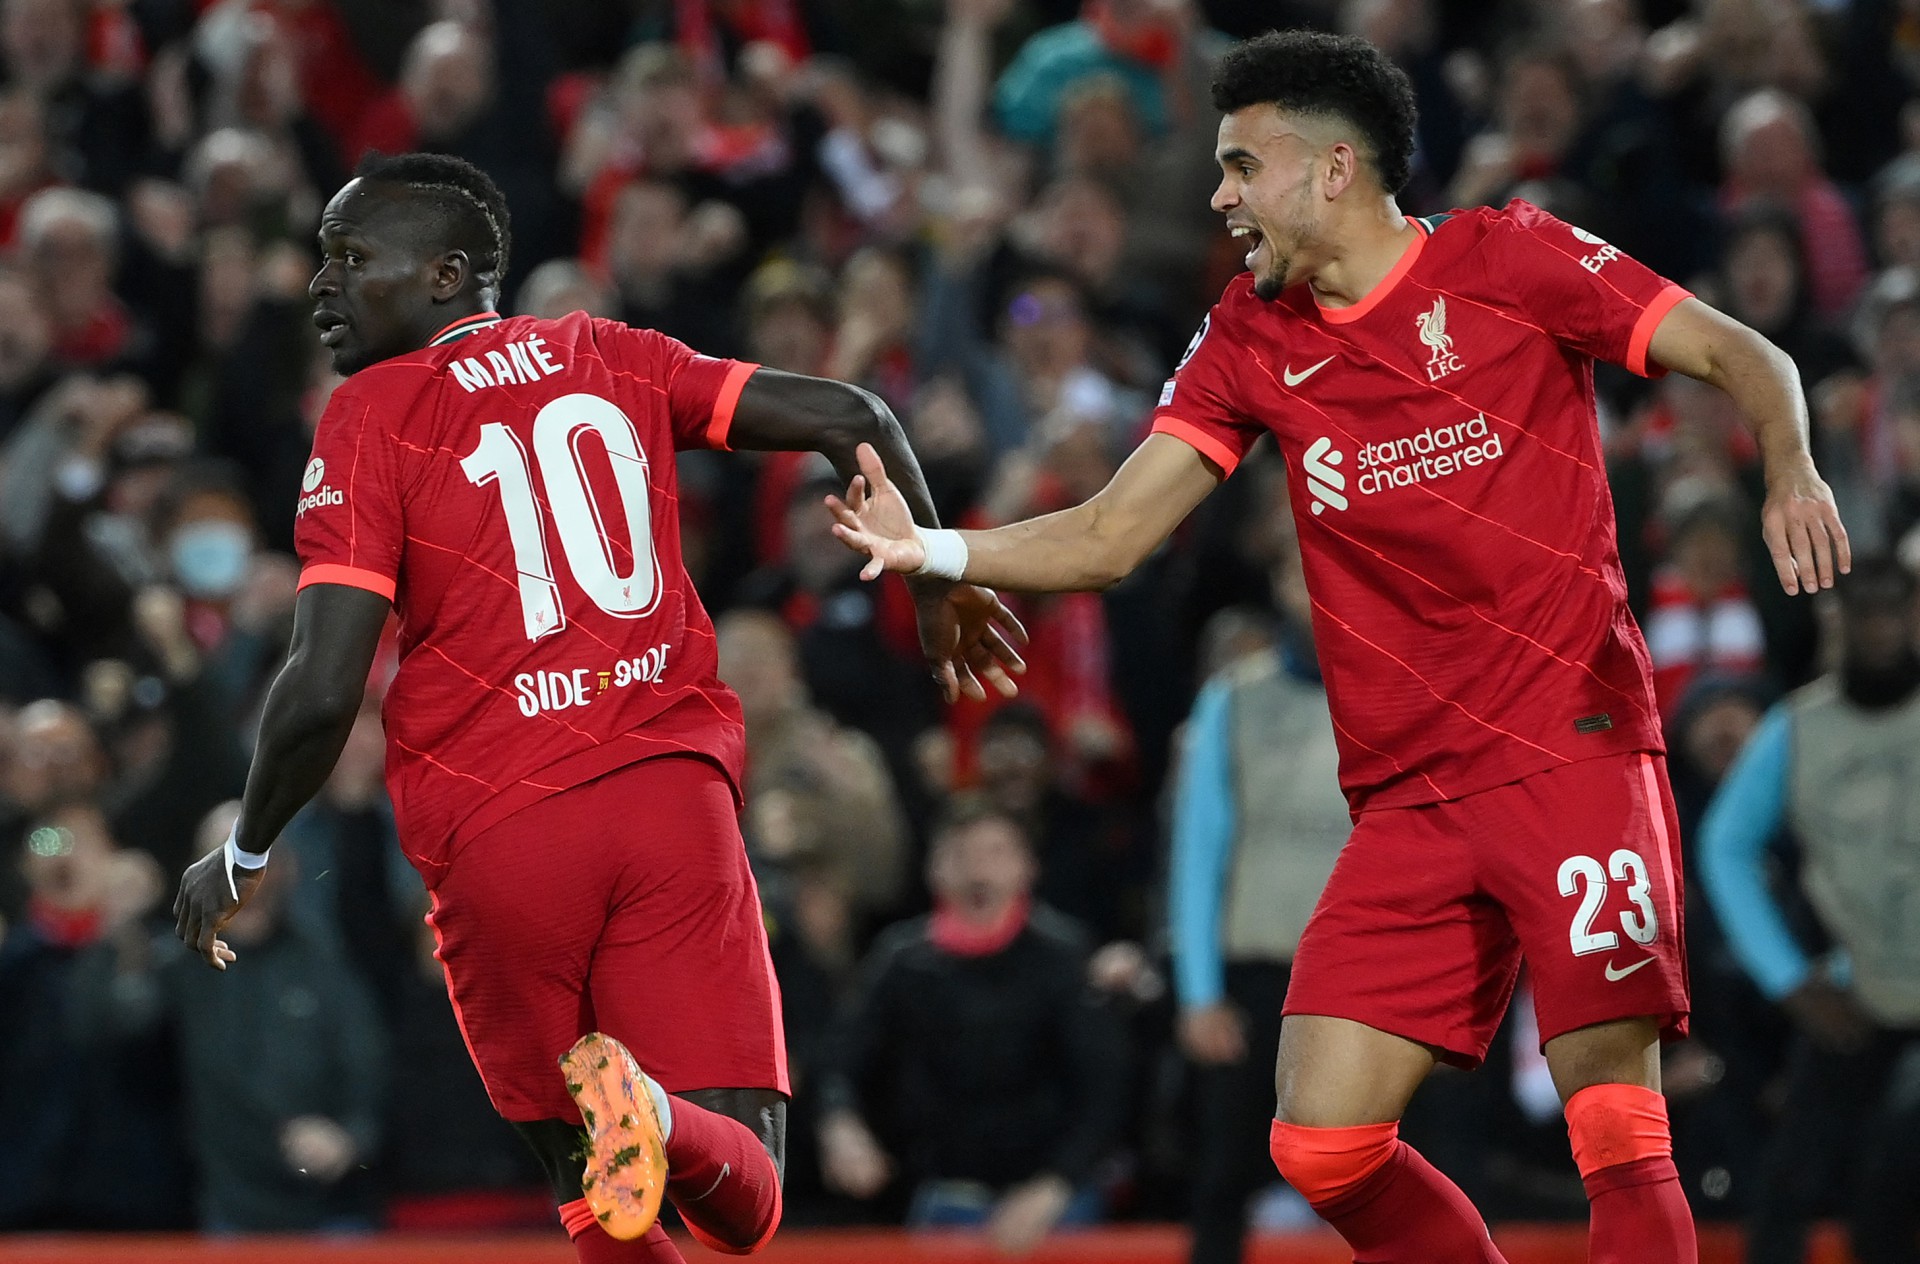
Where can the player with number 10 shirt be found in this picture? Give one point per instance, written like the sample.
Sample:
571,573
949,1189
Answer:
564,762
550,632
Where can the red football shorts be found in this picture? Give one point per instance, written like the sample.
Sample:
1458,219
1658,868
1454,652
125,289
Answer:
1430,909
623,905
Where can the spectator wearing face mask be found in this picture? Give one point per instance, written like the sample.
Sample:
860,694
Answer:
204,528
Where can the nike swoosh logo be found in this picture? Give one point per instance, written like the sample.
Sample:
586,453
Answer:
1294,379
1614,976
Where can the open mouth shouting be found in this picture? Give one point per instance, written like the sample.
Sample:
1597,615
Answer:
1254,238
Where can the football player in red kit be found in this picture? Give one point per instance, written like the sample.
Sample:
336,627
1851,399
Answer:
1429,383
563,760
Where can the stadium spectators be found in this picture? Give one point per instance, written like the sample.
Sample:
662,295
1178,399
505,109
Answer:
1833,764
986,1002
993,213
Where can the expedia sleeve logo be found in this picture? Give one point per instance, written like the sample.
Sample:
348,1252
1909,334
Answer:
1601,257
316,494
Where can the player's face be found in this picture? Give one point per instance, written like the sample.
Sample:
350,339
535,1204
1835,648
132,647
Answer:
1269,179
375,294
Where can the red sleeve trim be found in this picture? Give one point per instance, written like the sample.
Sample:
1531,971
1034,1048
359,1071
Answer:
351,576
726,401
1197,439
1650,319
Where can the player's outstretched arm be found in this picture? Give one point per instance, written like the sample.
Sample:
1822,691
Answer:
1089,547
309,712
966,633
1799,521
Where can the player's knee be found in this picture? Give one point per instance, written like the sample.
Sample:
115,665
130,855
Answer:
1326,1165
1612,1124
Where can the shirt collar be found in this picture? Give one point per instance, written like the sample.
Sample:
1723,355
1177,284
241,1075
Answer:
464,326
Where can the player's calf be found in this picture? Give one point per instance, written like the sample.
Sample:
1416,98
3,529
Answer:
1624,1149
1391,1205
724,1179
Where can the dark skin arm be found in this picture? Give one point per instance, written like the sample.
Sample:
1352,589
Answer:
967,635
310,710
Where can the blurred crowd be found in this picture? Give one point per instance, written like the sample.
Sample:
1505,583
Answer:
1032,953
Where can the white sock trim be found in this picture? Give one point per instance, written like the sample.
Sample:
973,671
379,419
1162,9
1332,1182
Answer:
662,1106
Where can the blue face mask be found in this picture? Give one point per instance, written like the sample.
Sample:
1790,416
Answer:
210,557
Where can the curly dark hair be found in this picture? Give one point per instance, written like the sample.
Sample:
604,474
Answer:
469,211
1307,72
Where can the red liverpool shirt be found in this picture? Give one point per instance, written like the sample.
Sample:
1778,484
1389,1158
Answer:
1444,467
511,487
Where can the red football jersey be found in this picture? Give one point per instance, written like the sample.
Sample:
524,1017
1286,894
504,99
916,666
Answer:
512,488
1445,472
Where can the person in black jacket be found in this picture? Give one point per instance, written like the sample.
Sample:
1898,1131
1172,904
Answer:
976,1047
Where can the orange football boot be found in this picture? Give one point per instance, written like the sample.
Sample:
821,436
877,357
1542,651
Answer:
626,1174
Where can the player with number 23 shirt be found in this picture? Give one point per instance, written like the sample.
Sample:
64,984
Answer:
1429,384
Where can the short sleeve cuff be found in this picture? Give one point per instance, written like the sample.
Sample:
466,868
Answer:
726,401
1207,445
1643,329
350,576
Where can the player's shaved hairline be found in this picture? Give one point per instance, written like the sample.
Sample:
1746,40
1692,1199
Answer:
402,173
1351,132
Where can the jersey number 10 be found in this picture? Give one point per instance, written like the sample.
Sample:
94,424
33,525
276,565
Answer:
501,460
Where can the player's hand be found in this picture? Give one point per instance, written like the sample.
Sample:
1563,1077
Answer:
874,519
850,1159
1028,1212
1803,531
969,637
206,904
1830,1016
1213,1035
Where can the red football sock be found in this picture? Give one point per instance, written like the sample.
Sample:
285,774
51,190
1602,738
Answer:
1624,1149
721,1180
594,1246
1391,1205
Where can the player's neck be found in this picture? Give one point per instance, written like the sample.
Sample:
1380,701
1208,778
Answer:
1364,250
446,315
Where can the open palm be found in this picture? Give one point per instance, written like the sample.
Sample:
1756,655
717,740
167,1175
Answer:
970,638
874,519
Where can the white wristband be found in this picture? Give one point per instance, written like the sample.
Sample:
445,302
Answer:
238,859
946,553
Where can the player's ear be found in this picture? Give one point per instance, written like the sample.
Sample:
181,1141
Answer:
450,274
1340,165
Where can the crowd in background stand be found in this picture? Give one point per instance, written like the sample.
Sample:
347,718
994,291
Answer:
993,213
